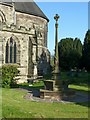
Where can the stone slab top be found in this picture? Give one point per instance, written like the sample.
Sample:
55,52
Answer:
48,91
49,80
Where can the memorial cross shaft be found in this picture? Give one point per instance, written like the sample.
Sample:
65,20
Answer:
56,60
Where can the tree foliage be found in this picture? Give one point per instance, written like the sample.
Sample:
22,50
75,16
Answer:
86,51
70,52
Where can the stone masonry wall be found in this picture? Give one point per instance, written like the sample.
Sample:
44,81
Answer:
23,30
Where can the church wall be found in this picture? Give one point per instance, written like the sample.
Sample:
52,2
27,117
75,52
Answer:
0,50
23,50
40,25
29,22
24,29
8,12
33,22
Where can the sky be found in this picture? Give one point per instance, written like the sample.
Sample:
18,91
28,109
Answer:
88,14
73,21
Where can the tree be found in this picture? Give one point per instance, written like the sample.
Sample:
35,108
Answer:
70,52
86,51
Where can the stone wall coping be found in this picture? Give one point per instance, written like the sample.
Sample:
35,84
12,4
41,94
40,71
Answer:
20,29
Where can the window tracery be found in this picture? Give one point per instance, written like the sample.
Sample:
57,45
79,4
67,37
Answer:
12,54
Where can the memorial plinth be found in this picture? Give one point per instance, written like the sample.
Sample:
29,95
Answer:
51,91
53,88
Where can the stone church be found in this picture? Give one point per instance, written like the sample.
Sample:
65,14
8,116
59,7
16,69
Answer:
23,38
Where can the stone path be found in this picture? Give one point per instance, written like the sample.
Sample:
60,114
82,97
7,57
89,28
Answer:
79,97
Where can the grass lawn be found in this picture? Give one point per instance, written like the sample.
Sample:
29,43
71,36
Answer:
15,106
82,88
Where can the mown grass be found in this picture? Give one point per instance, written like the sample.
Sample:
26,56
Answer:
37,85
14,105
83,88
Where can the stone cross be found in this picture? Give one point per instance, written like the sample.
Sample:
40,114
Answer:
56,60
56,17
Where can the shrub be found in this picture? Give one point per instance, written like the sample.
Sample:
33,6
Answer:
8,73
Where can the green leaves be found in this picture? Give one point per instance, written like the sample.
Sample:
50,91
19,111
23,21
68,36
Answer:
86,51
70,52
8,73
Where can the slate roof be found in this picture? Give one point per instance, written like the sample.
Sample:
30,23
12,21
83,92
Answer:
27,7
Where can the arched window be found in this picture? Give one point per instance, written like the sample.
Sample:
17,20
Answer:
15,52
7,52
11,47
2,17
11,51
